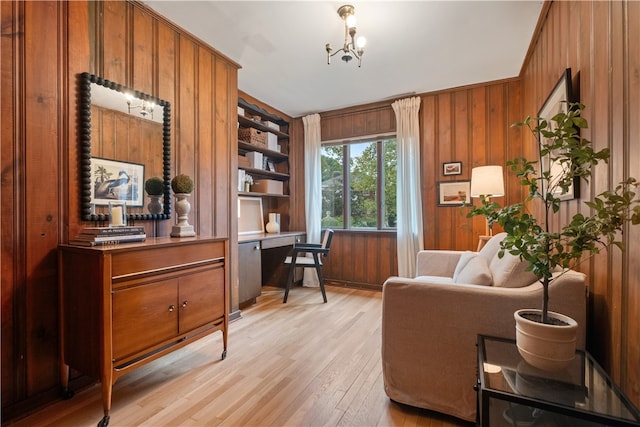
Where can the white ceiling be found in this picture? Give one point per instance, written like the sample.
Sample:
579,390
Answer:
412,46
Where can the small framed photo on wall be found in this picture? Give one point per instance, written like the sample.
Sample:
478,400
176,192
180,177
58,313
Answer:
454,193
452,168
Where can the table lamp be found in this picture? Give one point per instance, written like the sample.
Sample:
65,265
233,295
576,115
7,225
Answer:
487,181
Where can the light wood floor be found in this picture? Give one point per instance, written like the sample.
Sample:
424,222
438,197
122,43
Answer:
300,363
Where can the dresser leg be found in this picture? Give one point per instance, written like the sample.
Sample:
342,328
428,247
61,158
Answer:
64,380
224,341
107,388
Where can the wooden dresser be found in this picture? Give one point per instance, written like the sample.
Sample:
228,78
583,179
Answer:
125,305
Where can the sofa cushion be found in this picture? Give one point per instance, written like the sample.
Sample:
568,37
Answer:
475,272
510,272
492,247
465,257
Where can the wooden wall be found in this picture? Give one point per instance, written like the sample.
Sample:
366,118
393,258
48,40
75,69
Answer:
45,45
468,124
600,42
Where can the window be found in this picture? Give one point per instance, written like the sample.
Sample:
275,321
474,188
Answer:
359,184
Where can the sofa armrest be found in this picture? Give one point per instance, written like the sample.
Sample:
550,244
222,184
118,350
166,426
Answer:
429,334
437,263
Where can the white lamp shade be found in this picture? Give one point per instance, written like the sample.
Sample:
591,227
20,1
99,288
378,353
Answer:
487,181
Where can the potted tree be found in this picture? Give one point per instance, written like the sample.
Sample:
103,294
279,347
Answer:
182,186
550,252
154,187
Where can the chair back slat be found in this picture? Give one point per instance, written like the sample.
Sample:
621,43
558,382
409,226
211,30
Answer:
326,239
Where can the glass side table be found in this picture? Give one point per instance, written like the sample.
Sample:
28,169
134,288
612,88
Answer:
513,393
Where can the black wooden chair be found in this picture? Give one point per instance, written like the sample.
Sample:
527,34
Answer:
298,259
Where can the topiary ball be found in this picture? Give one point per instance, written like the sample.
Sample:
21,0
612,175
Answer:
182,184
154,186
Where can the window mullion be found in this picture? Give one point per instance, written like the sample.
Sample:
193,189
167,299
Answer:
380,185
346,190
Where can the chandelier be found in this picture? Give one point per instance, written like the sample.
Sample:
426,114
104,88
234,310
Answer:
352,47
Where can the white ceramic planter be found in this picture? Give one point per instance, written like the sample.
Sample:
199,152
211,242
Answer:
547,347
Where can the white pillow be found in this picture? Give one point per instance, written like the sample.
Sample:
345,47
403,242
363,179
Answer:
465,257
509,272
492,247
476,272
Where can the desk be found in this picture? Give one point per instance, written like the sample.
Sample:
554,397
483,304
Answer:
513,393
261,262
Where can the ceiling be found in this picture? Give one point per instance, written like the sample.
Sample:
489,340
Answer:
412,46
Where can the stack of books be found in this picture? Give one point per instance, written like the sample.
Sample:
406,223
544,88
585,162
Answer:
102,236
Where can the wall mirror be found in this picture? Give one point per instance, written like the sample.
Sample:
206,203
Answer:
125,139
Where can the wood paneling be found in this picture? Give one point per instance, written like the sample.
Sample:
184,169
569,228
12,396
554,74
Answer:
600,42
45,45
469,124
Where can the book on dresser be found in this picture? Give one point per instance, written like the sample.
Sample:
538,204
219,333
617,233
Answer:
112,231
102,236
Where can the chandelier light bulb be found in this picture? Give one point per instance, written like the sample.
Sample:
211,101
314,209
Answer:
361,42
351,21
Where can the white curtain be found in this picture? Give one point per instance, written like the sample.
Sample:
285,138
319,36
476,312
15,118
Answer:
409,200
312,188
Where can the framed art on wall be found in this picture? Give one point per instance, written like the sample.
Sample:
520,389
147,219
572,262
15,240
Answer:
454,193
558,101
113,180
452,168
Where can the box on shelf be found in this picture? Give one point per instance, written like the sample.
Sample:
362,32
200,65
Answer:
256,160
273,126
240,111
252,136
272,141
243,162
267,186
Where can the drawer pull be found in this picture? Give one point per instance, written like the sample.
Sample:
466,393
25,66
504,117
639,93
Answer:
172,307
184,304
257,248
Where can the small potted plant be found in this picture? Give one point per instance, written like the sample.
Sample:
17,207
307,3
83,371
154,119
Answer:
549,252
154,187
248,182
182,186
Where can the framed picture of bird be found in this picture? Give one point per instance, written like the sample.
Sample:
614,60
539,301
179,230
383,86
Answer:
113,180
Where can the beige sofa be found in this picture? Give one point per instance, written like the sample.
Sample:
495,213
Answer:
430,324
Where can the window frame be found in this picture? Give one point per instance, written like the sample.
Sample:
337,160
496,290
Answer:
346,144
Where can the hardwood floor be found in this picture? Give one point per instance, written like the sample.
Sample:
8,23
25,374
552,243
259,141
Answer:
300,363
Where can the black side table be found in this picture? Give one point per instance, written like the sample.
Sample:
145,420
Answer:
513,393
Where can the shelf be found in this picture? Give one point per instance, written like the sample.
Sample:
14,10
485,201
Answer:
252,193
275,155
257,111
265,173
247,122
280,159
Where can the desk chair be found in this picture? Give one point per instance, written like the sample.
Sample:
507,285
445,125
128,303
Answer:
302,261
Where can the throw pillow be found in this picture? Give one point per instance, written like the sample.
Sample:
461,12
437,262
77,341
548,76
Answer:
476,272
465,257
510,272
492,247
